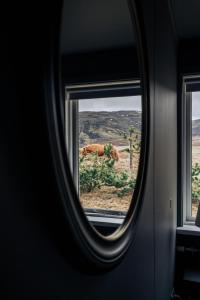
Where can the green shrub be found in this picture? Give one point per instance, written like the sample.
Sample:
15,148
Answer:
89,175
196,181
95,171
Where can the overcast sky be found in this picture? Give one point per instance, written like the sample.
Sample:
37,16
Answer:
111,104
129,103
195,105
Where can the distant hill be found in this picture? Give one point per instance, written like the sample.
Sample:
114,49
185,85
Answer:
196,127
107,127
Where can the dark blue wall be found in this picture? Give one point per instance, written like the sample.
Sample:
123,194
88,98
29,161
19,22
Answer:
36,252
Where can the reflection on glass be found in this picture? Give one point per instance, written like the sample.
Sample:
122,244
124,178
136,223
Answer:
195,152
107,143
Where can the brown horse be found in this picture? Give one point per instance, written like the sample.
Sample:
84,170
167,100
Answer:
99,149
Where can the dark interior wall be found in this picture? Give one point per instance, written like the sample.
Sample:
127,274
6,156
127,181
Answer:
165,153
186,286
36,252
188,58
116,64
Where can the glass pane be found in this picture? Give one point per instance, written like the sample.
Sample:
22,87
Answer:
105,153
109,140
195,152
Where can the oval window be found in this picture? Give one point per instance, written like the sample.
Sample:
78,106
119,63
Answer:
100,130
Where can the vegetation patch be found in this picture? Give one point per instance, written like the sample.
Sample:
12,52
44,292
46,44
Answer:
95,172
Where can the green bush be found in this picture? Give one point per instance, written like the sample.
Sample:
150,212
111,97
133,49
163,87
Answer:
89,174
196,181
95,171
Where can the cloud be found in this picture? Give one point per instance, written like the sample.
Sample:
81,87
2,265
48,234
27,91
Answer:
195,105
111,104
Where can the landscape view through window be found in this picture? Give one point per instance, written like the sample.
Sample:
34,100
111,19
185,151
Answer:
109,151
195,152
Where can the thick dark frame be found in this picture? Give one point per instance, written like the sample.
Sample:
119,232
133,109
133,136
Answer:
98,250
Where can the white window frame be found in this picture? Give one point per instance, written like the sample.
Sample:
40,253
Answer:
72,136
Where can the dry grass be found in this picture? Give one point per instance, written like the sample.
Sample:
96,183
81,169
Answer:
195,159
196,149
106,197
195,204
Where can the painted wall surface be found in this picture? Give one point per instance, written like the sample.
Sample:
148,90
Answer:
36,251
165,152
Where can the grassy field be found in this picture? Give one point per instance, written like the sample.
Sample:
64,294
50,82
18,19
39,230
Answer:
106,197
196,150
195,159
104,127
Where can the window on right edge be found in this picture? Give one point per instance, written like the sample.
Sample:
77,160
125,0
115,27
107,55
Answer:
191,153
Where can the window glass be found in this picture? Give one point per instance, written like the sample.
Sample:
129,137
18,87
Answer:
103,137
195,152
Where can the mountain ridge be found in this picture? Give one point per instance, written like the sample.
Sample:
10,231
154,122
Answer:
107,126
196,127
110,126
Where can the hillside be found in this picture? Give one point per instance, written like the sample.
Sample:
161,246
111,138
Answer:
107,127
196,127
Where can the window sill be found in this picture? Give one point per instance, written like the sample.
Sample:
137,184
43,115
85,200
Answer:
105,218
188,230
